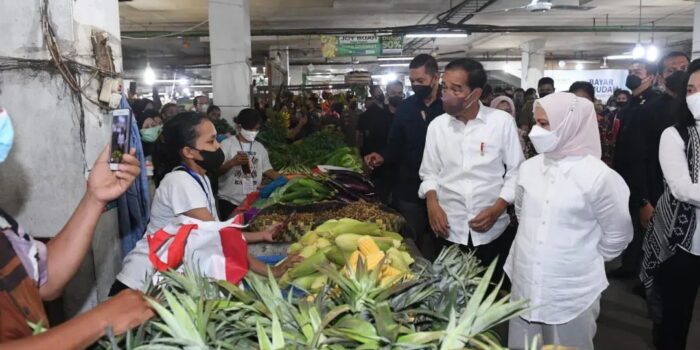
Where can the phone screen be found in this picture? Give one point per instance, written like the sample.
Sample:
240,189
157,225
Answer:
121,122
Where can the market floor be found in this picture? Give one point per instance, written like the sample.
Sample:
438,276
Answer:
624,325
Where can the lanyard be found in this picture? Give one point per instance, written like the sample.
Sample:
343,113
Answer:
250,151
195,176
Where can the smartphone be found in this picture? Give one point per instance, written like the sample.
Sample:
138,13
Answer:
121,127
245,167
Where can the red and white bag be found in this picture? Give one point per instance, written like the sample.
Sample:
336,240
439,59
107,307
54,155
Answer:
214,249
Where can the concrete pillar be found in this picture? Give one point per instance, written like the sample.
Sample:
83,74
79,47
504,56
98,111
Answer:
229,34
296,75
696,32
58,133
532,63
279,63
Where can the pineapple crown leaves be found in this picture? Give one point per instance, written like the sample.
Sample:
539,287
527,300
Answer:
179,318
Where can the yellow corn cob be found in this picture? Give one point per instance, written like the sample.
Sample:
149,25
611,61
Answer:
389,271
352,261
374,259
367,246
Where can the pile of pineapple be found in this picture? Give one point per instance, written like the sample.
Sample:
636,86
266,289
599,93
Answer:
348,244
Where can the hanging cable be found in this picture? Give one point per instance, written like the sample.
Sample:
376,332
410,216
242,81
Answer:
167,34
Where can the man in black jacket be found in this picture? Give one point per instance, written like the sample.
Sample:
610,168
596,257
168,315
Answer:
405,148
643,122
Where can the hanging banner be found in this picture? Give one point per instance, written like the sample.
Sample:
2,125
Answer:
392,45
605,81
360,45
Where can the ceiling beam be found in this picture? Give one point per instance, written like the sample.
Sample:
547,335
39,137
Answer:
469,28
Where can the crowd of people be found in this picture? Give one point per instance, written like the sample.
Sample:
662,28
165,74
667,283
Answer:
585,181
547,185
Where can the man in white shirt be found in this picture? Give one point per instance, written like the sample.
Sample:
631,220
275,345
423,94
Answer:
470,164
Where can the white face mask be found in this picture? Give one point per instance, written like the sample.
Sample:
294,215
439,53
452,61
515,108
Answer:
544,140
203,108
694,104
249,135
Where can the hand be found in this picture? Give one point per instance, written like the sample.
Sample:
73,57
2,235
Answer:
646,84
374,160
106,185
272,233
645,215
125,311
287,264
240,159
438,219
484,221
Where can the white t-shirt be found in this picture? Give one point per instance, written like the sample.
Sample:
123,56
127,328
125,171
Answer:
177,194
234,186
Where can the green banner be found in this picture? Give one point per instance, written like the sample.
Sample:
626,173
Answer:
392,45
360,45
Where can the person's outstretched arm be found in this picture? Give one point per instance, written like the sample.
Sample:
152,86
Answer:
66,251
125,311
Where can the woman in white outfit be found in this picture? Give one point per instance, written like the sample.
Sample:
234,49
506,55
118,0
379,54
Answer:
573,213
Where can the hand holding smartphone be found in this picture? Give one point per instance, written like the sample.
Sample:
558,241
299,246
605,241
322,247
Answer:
121,137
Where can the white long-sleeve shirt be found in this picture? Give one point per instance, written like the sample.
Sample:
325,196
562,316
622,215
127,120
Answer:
573,216
674,165
470,166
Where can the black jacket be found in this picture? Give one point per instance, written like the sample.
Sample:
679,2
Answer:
407,142
637,148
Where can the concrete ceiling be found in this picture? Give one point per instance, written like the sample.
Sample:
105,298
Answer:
147,17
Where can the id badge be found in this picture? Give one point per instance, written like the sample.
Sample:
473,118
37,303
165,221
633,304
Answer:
248,185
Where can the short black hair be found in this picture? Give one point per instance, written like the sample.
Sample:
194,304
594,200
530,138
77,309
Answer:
519,90
248,118
194,101
213,108
672,54
649,66
475,71
166,106
583,86
394,82
425,60
545,81
622,92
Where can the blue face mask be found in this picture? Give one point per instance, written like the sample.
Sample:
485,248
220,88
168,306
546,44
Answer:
7,134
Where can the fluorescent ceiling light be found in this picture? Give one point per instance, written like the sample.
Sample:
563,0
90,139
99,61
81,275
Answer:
638,51
394,58
620,57
149,76
652,53
437,35
394,65
579,66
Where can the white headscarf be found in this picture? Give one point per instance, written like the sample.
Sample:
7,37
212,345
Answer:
574,121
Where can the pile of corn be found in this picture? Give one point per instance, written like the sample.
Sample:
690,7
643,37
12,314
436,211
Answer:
347,243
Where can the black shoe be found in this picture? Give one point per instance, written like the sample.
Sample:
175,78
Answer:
621,273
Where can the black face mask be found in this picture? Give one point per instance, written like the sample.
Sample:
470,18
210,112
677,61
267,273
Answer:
211,161
544,93
620,104
422,91
675,81
633,82
394,101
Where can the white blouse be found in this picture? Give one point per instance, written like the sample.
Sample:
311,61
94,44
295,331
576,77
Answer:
573,217
674,165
